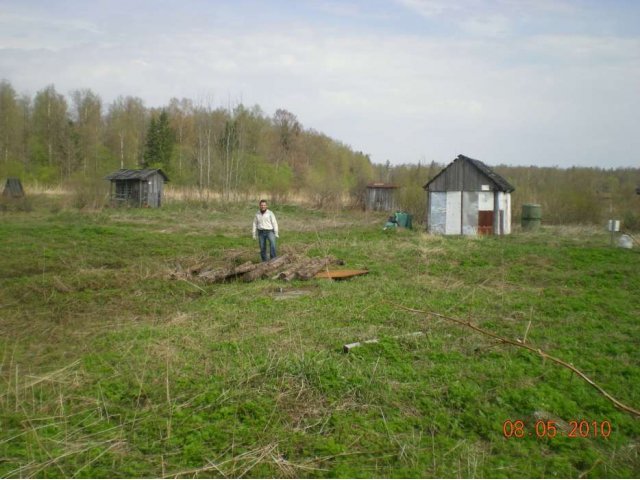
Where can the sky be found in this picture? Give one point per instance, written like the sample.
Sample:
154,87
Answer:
509,82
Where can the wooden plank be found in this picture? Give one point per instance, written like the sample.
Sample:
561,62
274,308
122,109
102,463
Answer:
337,274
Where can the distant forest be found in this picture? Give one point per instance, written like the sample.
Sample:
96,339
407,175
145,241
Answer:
74,141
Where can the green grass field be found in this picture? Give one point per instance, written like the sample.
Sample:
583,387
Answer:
111,369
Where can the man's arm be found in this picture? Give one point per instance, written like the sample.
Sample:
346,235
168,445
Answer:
255,228
275,224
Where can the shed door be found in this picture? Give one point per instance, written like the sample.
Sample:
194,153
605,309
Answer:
485,222
469,213
454,213
437,212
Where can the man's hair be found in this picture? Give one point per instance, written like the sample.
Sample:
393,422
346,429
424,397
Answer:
262,201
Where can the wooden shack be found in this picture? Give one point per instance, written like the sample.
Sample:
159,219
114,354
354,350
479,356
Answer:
381,197
468,198
13,188
137,188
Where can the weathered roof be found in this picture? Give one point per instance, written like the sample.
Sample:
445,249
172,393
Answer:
499,180
126,174
381,185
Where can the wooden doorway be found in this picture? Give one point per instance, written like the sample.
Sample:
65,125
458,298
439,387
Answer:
485,222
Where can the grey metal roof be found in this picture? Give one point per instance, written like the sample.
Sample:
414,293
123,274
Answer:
499,180
126,174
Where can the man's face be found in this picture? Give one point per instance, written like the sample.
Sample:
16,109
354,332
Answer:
263,206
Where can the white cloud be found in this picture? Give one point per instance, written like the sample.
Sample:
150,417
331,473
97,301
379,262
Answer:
535,98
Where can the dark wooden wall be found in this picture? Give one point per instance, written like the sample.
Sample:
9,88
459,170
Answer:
460,176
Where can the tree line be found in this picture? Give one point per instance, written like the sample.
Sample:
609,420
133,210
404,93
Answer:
67,140
55,139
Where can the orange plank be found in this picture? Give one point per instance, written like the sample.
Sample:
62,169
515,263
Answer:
341,273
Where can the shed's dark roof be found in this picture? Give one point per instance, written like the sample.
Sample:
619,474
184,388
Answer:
499,180
125,174
381,185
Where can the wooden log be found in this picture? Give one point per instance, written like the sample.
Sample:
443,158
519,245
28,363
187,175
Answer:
244,268
290,273
266,268
221,274
307,272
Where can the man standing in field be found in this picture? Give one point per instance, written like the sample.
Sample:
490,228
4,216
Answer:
265,227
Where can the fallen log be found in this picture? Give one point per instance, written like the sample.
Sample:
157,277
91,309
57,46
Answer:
286,275
307,268
221,274
286,267
309,271
265,268
290,273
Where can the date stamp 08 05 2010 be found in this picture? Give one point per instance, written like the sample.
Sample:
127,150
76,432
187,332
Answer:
549,429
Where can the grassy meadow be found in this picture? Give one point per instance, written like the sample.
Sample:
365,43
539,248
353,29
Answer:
109,368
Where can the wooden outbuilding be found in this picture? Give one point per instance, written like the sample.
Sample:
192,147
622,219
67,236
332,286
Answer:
381,197
468,198
13,188
137,188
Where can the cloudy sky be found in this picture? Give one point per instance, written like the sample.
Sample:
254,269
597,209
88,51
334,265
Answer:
516,82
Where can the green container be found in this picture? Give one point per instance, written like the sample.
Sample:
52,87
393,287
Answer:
530,223
531,216
404,220
532,211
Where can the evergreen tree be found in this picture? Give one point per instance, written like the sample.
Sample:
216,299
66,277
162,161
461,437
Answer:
160,141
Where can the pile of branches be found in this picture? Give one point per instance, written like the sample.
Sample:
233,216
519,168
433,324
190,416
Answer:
286,267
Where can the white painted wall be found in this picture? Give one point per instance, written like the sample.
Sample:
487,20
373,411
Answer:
485,201
507,213
445,211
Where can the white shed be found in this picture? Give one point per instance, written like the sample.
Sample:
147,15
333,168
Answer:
468,198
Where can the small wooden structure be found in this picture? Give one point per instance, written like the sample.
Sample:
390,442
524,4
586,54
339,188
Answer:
468,198
137,188
381,197
13,188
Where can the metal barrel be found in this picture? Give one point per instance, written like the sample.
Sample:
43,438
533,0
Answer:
531,216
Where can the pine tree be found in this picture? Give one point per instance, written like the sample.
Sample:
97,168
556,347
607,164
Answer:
160,141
